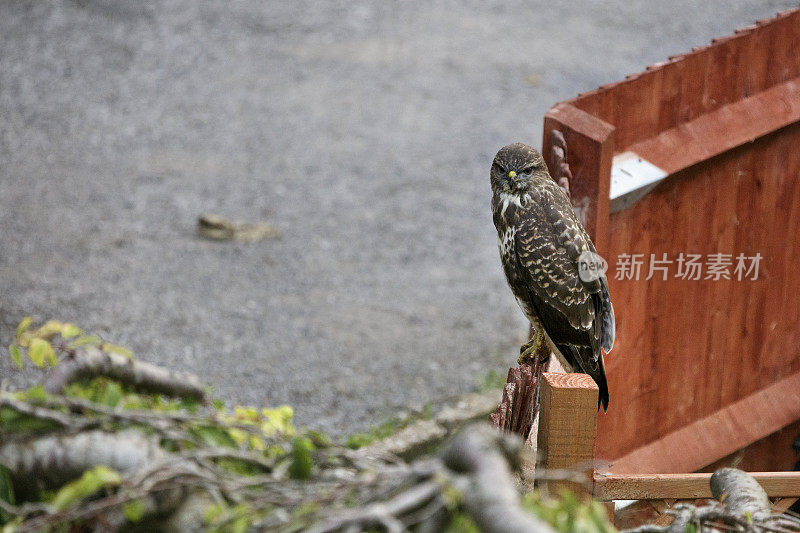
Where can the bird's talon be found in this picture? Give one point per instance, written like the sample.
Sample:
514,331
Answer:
533,350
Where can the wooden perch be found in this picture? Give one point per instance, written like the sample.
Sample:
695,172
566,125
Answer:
143,376
567,426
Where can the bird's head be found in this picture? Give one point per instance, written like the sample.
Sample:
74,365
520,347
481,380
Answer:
515,167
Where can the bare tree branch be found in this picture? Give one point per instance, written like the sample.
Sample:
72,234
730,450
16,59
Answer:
740,493
91,361
56,459
489,494
744,507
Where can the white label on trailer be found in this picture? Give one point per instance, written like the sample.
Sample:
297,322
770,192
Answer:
631,178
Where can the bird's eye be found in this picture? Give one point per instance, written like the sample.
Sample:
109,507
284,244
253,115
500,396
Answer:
527,170
500,168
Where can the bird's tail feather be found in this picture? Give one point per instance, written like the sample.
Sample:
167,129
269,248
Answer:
581,359
607,316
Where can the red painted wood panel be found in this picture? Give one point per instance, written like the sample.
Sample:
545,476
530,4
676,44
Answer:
687,349
690,85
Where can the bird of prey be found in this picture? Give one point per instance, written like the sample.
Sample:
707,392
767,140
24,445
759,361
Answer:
543,246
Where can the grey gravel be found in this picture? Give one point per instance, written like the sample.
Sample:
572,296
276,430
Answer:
362,130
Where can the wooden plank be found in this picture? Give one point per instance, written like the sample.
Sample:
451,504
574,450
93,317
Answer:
641,512
781,505
590,143
684,486
567,425
695,83
719,434
770,453
723,129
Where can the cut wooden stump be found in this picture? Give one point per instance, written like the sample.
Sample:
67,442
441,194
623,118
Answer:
517,407
520,402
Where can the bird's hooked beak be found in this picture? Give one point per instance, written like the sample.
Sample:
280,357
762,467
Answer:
513,176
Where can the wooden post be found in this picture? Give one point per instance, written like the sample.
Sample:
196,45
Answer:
567,427
591,150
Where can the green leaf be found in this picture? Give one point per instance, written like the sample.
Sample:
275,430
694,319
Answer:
568,513
83,340
278,420
12,526
12,421
90,482
319,439
249,414
240,525
50,355
16,356
113,348
6,493
213,436
70,330
462,523
36,393
359,440
302,463
50,329
112,394
213,512
24,325
133,510
39,351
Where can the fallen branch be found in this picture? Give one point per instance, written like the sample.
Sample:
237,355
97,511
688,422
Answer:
744,506
488,488
59,418
386,514
91,362
52,460
740,493
208,468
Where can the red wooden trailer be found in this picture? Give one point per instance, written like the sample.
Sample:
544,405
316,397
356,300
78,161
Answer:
697,157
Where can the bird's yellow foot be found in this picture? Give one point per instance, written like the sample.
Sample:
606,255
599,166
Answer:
534,350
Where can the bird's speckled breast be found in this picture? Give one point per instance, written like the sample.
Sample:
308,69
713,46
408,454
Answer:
506,209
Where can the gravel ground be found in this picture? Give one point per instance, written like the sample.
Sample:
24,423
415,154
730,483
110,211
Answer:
363,130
